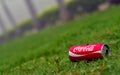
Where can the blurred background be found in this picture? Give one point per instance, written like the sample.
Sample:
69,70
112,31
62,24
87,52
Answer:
22,17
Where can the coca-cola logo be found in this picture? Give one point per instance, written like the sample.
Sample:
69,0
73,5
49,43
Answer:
88,48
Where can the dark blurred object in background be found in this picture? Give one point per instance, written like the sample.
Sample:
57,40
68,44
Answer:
64,14
115,2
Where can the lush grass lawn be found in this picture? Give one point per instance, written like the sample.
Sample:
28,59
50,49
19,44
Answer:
46,53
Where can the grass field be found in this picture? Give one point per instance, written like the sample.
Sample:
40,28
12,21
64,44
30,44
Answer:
46,52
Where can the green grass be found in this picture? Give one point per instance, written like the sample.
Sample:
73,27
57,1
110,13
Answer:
46,52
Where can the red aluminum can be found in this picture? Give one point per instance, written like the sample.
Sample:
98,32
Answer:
88,52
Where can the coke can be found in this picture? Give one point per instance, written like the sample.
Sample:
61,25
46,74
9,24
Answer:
88,52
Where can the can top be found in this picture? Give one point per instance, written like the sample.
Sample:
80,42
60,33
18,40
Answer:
105,50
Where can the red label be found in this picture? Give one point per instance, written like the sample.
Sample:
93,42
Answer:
86,49
88,52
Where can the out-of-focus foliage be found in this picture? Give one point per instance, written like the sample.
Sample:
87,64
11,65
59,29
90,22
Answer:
81,6
51,16
75,7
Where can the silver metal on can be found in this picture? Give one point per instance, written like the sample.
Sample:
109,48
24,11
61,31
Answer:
105,51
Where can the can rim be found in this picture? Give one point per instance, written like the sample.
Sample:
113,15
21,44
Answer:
105,50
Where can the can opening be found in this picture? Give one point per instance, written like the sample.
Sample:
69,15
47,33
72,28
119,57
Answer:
105,51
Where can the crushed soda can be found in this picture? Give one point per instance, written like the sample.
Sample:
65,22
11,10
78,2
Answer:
88,52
